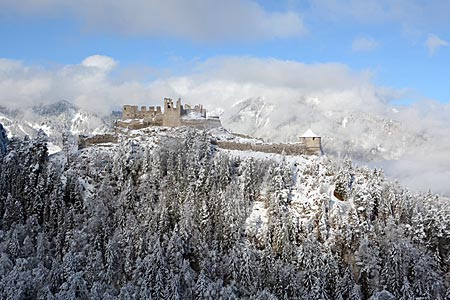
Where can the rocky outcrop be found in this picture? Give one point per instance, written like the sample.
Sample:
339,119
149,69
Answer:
3,140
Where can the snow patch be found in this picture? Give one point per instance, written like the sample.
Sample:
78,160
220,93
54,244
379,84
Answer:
309,133
256,223
52,148
44,127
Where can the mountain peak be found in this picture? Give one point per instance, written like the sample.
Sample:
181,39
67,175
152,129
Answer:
56,108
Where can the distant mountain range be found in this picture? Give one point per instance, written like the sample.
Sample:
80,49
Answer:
405,141
360,135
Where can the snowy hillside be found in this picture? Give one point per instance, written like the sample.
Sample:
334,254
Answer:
163,214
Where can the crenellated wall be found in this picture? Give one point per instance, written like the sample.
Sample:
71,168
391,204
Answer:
130,112
174,115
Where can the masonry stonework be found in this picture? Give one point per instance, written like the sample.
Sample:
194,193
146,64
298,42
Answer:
174,115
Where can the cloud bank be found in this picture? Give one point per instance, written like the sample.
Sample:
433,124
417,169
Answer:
199,20
269,98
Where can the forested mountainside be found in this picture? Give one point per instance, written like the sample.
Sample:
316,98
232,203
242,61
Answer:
164,215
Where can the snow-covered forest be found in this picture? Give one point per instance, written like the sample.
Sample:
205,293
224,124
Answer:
168,216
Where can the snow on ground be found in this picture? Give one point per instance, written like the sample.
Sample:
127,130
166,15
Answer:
224,135
52,148
44,127
193,115
256,223
5,122
3,119
77,119
99,130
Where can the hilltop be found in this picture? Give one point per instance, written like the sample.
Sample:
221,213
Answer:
165,214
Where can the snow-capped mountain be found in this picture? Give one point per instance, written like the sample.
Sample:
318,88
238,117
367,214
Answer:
54,119
361,135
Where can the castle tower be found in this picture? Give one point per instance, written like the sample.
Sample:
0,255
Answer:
129,112
172,114
311,141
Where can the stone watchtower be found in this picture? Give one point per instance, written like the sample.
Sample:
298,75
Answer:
172,114
311,141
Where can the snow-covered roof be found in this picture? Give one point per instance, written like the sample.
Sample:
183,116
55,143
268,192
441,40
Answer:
309,133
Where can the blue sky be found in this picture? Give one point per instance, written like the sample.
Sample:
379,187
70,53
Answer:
404,45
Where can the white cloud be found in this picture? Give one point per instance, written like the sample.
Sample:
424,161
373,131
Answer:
87,84
433,43
364,44
201,20
293,95
104,63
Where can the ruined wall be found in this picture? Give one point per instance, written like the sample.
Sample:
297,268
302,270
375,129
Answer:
142,123
201,123
84,141
171,117
130,112
287,149
197,108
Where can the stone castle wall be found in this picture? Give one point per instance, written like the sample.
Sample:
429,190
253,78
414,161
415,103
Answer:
142,123
194,123
287,149
174,115
132,112
201,124
84,141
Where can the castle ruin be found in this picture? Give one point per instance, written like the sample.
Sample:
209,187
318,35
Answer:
172,116
176,115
